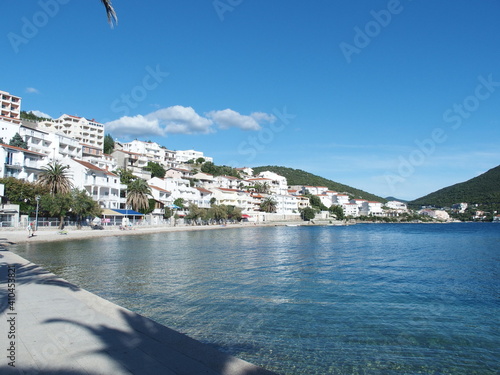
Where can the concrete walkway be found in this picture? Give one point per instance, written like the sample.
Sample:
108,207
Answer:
50,326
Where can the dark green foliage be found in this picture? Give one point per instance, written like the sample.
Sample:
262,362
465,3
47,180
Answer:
483,190
18,141
316,203
58,205
126,177
179,202
22,193
83,206
156,169
109,144
300,177
219,170
337,211
308,213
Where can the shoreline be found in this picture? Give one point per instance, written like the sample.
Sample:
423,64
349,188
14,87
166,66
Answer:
9,236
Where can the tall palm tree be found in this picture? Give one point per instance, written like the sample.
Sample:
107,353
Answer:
268,205
137,194
55,177
110,12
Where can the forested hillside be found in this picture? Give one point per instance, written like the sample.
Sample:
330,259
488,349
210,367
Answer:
300,177
483,190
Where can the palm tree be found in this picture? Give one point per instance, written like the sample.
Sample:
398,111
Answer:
110,12
55,178
268,205
137,194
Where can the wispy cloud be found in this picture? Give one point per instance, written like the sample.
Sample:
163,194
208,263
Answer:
32,90
185,120
41,114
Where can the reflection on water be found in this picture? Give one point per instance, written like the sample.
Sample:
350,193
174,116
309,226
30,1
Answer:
309,300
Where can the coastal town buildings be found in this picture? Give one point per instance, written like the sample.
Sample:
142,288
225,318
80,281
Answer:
20,163
10,107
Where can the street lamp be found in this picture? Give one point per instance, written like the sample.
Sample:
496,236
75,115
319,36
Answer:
36,214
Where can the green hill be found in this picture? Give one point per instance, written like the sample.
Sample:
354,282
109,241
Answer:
483,190
300,177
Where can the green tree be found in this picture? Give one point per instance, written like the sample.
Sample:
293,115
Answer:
109,144
168,212
126,177
55,177
218,212
308,213
234,213
262,188
268,205
337,211
83,206
22,193
137,194
200,160
156,169
58,205
18,141
179,202
195,213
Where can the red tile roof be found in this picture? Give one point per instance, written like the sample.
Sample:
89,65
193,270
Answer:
21,149
88,165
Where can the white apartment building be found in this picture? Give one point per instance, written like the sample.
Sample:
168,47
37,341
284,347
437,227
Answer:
20,163
162,198
371,208
396,205
87,132
133,162
278,184
286,204
10,107
183,156
179,188
228,182
54,145
350,209
340,199
325,199
314,190
233,197
153,151
103,186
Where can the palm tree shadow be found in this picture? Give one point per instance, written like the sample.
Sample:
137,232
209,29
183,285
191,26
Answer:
28,273
147,347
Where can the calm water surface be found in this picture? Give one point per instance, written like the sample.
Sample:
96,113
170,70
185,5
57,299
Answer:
365,299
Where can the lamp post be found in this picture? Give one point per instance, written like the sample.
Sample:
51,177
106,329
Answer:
36,213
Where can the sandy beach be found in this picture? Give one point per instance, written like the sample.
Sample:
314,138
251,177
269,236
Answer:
17,236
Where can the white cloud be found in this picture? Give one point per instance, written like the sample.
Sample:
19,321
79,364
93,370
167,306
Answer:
32,90
185,120
41,114
182,120
133,126
228,118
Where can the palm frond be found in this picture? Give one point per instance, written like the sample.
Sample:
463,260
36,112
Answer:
110,12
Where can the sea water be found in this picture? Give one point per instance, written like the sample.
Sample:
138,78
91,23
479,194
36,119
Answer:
363,299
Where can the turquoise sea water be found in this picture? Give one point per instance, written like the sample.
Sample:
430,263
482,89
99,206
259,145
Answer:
364,299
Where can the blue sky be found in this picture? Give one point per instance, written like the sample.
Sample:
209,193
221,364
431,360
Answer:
393,97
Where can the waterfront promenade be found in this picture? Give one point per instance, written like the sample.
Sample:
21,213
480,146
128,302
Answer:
50,326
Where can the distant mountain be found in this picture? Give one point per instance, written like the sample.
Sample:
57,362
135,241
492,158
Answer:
300,177
395,199
483,189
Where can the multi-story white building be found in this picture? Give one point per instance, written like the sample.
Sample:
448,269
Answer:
153,151
278,184
233,197
133,162
340,199
286,204
183,156
350,209
87,132
371,208
20,163
10,107
396,205
103,186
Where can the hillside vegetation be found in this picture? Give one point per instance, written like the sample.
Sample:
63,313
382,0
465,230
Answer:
300,177
482,190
